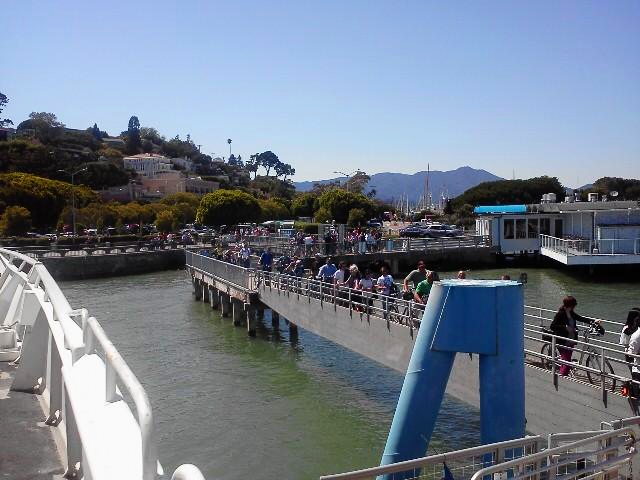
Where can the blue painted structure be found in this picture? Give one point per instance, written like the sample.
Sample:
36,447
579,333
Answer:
472,316
500,209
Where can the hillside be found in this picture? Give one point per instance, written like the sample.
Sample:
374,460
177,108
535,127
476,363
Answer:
393,185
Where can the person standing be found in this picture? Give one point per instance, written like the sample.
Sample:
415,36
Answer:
325,274
266,260
245,256
416,276
564,325
385,286
423,289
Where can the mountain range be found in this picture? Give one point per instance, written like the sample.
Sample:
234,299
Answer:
391,186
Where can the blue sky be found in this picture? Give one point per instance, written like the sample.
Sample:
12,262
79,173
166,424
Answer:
539,88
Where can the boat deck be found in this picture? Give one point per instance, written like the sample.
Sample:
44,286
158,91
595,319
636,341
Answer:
28,449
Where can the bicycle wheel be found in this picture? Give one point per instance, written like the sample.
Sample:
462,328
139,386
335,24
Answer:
546,362
593,361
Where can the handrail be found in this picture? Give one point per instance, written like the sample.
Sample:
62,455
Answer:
435,459
80,340
606,436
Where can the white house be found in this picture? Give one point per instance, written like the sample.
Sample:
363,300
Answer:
147,164
574,233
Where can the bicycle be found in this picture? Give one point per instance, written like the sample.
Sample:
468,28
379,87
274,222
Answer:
414,312
589,356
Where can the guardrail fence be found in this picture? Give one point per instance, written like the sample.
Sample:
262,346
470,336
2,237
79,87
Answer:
68,359
603,246
598,360
595,454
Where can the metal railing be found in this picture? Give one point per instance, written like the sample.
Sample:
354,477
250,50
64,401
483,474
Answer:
86,250
80,373
603,246
235,275
461,463
601,361
592,454
389,308
289,247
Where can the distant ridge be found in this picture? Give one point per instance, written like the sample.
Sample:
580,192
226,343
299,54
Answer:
392,185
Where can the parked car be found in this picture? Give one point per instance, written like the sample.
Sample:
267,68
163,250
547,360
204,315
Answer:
439,231
374,223
415,231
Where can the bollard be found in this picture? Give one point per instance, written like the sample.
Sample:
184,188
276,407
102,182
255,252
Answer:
238,311
225,304
214,297
251,321
197,289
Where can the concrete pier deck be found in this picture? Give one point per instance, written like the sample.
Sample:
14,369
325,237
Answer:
28,448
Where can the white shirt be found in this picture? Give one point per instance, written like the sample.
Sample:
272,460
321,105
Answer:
338,277
634,348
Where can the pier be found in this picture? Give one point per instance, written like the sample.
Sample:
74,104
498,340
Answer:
385,332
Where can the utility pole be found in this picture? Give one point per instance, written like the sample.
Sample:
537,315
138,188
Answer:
73,198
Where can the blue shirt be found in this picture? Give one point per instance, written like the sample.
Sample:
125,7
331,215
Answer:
266,259
327,271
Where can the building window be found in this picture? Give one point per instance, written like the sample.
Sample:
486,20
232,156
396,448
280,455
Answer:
532,228
509,229
545,226
521,228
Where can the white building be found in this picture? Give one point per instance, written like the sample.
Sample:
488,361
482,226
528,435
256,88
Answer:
184,163
147,164
573,233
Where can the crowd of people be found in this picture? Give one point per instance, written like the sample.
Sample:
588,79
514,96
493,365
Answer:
359,240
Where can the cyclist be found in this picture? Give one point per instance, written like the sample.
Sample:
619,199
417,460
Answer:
424,289
564,325
266,259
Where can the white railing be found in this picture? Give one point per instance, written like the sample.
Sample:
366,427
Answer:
603,246
68,359
593,454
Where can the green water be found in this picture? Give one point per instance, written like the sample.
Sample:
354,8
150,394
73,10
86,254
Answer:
271,406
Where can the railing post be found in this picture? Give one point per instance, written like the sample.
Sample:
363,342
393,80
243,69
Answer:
350,305
602,382
554,367
110,382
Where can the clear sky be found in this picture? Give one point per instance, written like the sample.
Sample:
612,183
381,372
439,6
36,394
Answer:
538,87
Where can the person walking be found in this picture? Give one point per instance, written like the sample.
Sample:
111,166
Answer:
629,328
564,325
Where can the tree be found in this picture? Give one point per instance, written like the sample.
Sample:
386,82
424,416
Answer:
134,144
303,204
15,221
151,134
3,101
273,209
339,202
44,198
357,182
95,132
227,207
357,216
253,164
505,192
165,221
268,160
46,118
182,197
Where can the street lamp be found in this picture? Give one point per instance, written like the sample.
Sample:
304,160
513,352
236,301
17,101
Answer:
348,175
73,197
